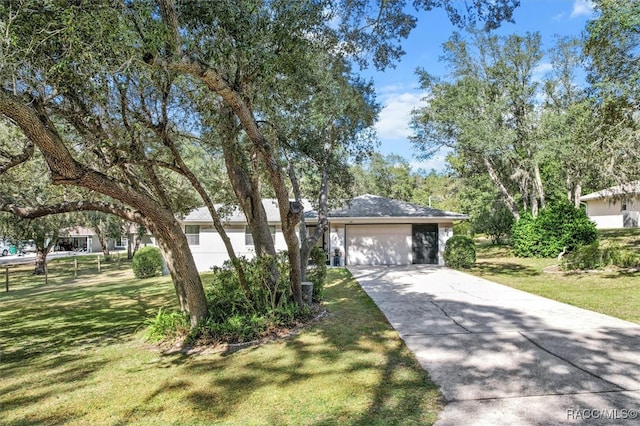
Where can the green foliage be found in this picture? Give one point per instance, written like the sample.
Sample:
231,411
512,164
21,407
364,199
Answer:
460,252
167,325
494,220
559,227
235,316
317,272
597,256
147,262
464,228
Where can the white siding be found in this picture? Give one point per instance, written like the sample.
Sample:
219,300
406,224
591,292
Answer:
378,244
608,214
445,231
212,252
336,241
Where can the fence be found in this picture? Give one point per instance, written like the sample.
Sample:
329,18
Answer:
61,269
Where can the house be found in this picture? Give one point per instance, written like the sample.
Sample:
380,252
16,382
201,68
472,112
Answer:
206,244
615,207
369,230
81,238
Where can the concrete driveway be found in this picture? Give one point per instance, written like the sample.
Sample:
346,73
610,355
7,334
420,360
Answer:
503,356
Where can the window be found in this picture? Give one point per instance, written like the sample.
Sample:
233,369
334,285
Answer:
248,237
193,234
624,207
122,242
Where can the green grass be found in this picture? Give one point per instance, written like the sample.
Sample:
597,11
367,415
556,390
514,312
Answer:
611,293
71,353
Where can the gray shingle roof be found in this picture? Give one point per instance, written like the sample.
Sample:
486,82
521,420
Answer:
372,206
233,214
614,192
364,206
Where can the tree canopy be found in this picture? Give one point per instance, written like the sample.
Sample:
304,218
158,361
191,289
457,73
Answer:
117,97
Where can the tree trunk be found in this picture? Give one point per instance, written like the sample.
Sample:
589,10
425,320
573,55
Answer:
217,222
539,185
182,267
509,201
41,261
129,247
577,192
534,201
289,232
65,170
248,195
322,225
104,243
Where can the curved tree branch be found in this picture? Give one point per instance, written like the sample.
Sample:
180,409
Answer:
74,206
15,160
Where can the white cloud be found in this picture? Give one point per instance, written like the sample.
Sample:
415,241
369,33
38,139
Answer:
559,16
541,71
437,162
582,8
396,115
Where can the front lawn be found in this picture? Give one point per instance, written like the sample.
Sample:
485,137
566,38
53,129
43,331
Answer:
71,352
611,293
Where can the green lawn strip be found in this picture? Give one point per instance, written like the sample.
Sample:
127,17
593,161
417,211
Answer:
611,293
73,354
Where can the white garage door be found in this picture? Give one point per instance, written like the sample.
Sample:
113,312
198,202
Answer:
378,244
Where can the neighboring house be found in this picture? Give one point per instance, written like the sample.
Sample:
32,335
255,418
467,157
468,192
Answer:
369,230
83,238
615,207
78,238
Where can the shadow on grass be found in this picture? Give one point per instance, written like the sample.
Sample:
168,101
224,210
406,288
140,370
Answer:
355,342
505,268
49,336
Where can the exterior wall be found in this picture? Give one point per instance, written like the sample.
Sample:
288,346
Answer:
607,214
210,251
336,241
396,242
445,231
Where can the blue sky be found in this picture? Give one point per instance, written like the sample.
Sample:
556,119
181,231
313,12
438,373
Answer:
398,88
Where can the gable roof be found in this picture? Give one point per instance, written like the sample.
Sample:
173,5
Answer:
364,206
374,206
617,191
233,214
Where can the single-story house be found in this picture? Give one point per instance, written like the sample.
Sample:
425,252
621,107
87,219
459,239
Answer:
82,238
615,207
79,238
369,230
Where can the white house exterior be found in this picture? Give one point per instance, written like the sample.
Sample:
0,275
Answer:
206,244
370,230
615,207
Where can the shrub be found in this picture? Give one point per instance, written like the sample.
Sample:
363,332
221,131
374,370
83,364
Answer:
235,316
167,325
585,257
629,259
147,262
594,256
558,227
317,272
460,252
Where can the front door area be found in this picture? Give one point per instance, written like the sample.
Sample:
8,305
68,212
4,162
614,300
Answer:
425,243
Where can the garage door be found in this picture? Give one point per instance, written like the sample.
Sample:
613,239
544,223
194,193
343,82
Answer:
378,244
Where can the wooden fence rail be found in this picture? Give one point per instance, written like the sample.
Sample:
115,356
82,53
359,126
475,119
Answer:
60,266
